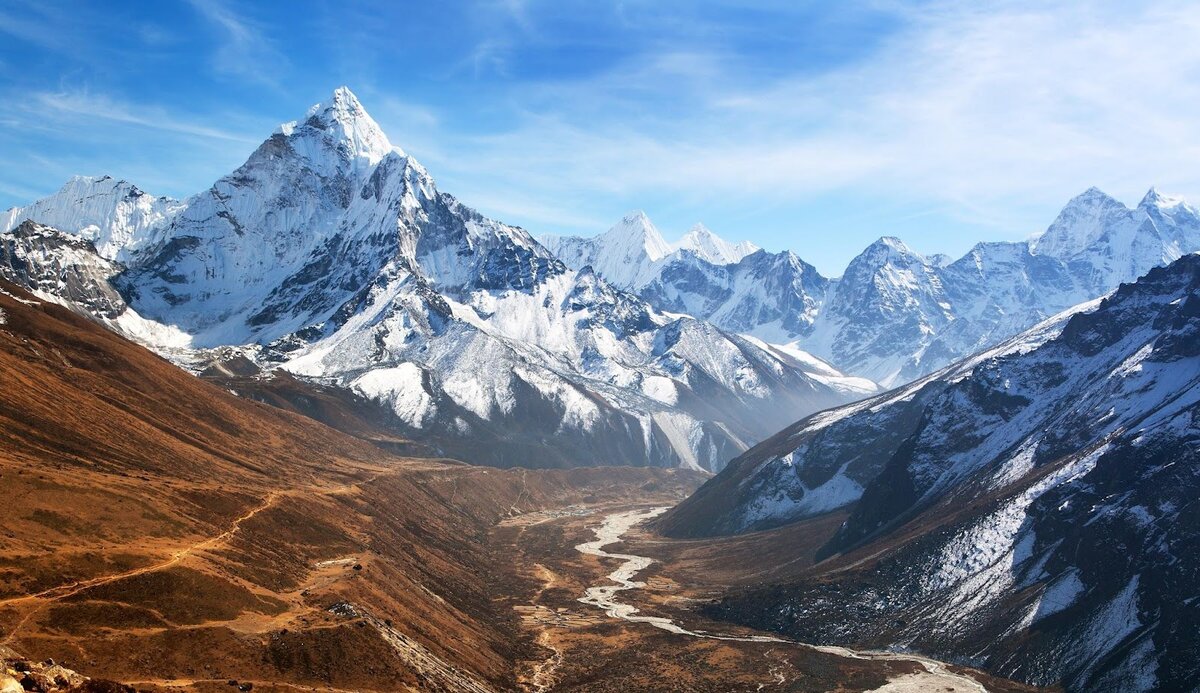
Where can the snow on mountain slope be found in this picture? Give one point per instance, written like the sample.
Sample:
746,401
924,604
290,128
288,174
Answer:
711,248
216,262
114,215
825,461
628,254
623,255
895,315
775,297
1027,509
1107,243
330,253
67,269
881,314
576,350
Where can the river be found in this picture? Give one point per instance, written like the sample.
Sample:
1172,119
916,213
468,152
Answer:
614,527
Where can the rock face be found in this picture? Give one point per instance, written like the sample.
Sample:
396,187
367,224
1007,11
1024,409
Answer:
738,287
114,215
896,315
775,297
331,254
51,262
888,305
19,674
1029,509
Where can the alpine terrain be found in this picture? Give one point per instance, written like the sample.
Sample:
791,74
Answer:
163,534
324,426
1030,510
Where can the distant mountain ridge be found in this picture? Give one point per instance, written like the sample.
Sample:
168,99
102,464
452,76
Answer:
332,254
895,315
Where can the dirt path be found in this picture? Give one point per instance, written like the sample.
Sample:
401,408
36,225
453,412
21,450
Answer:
49,596
53,594
62,591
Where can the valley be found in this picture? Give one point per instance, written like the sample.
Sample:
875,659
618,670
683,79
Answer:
635,628
164,534
322,426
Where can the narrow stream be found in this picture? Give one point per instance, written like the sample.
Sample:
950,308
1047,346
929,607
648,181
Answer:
605,597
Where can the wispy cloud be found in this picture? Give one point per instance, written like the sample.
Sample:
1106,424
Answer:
245,51
45,137
32,24
983,109
81,103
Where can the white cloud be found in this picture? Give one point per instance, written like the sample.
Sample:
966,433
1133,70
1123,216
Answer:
82,103
983,110
245,51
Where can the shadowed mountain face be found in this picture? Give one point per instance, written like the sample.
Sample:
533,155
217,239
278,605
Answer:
331,255
1029,510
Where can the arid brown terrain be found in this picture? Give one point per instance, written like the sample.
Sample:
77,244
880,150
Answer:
163,533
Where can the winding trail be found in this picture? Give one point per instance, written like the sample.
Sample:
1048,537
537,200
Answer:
53,594
604,597
44,598
61,591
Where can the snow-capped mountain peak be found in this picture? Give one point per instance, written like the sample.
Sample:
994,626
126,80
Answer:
343,121
330,254
888,249
712,248
635,234
115,215
1079,224
624,255
1155,198
889,295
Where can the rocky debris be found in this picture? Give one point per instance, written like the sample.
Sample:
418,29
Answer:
440,674
19,674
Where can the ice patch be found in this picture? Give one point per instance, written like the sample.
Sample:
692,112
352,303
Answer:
790,498
660,388
155,335
1116,621
978,564
1061,594
402,387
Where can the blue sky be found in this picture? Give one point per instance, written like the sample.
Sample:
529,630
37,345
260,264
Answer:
811,126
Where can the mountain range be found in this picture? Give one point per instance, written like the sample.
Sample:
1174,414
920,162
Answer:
895,315
331,255
987,459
